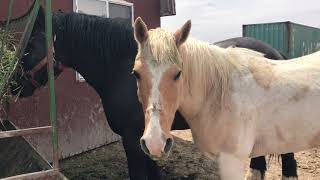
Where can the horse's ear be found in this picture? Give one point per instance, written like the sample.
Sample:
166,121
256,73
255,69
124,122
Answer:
140,30
181,35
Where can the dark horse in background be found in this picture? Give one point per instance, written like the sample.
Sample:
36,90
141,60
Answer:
103,50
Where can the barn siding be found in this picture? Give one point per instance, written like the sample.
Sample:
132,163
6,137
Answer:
81,121
149,10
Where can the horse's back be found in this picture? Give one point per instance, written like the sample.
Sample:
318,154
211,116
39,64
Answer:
303,67
283,99
313,57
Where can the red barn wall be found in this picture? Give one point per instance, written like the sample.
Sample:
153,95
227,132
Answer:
20,7
149,10
81,121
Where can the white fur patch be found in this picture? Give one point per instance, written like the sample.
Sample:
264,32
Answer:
154,129
231,168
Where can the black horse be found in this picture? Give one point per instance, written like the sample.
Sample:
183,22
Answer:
102,50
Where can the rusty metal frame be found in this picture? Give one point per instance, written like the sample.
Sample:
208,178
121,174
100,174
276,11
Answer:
48,174
52,173
25,132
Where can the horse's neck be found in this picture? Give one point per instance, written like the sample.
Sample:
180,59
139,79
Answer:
206,75
99,73
101,66
91,69
190,106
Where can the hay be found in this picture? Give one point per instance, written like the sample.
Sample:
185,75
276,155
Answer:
8,63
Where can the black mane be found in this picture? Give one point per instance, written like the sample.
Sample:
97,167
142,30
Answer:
104,38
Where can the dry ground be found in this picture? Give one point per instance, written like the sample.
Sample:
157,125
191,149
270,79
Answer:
185,162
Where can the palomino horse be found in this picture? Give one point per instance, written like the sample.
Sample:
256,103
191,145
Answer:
104,54
236,102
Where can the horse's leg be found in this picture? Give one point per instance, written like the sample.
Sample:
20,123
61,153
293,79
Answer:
141,167
258,168
231,167
289,167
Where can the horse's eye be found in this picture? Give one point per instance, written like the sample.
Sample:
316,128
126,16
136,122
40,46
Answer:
136,74
177,76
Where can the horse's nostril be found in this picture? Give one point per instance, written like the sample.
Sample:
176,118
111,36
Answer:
168,146
144,146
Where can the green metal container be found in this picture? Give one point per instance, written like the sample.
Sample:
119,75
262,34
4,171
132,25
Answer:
291,39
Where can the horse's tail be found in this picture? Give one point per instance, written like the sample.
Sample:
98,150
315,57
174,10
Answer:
284,56
275,157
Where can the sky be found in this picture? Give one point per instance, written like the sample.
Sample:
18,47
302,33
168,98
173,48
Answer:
216,20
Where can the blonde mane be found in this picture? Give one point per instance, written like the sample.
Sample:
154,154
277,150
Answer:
163,47
204,66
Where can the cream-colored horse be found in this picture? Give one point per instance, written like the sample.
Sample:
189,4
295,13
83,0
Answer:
237,103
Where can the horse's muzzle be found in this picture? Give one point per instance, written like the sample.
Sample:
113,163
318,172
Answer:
155,150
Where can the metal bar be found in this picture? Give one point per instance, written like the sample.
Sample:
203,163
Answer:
62,177
48,174
22,44
24,132
53,109
9,14
28,30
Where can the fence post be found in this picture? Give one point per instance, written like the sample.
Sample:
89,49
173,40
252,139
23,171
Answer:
53,109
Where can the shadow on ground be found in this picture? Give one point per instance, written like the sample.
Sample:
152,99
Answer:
109,162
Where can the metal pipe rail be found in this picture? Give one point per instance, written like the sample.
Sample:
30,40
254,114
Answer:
24,132
52,173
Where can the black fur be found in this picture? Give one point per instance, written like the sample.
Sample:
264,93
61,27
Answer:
259,163
289,165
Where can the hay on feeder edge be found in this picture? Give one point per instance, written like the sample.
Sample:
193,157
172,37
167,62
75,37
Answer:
8,64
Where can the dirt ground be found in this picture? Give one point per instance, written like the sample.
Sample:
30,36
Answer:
184,163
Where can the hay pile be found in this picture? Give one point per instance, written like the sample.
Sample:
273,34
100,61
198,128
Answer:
8,62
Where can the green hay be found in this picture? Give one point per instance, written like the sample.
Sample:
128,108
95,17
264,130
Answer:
8,62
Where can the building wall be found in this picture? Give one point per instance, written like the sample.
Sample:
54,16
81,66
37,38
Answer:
149,10
81,121
20,7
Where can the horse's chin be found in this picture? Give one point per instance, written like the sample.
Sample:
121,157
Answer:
155,158
164,156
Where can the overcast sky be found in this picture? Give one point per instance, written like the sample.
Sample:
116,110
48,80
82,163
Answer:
215,20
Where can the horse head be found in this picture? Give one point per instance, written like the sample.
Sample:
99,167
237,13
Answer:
158,70
33,72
